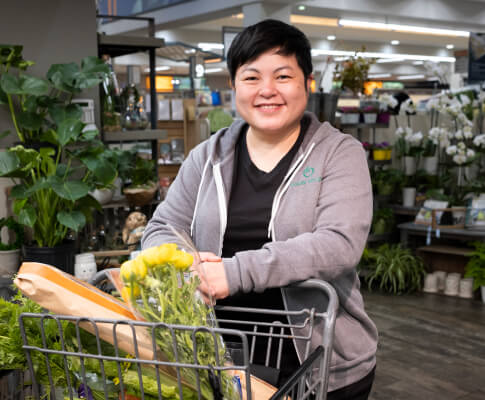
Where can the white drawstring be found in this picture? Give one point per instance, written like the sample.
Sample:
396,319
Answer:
198,195
221,198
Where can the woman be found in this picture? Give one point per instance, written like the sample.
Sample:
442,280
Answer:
279,197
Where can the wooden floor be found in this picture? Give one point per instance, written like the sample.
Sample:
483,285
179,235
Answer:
430,347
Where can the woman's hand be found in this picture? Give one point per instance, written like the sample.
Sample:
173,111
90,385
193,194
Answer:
212,275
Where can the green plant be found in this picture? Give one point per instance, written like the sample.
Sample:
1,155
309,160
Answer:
14,227
396,270
57,162
382,221
386,180
476,265
142,172
353,73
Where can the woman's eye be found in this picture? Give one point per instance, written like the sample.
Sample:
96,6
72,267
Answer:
250,78
283,77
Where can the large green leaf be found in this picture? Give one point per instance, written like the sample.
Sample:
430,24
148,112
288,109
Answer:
9,162
60,113
70,190
74,220
94,64
30,120
34,86
49,136
69,130
29,158
27,215
88,136
63,76
102,169
3,96
10,84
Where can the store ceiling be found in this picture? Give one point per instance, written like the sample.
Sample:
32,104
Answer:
320,19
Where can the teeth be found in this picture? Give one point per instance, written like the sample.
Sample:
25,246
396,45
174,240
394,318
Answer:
269,106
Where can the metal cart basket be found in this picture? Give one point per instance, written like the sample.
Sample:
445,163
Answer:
75,359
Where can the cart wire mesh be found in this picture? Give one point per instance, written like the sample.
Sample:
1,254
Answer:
74,358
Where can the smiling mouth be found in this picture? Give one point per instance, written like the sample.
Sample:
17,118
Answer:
269,107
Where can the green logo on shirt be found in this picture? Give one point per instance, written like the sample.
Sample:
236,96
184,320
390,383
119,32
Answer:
308,172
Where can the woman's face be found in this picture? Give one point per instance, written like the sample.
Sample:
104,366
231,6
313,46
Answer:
271,94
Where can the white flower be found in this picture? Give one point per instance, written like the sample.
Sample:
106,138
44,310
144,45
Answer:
433,103
465,100
463,119
459,159
450,150
407,107
461,146
479,140
459,134
467,132
470,153
416,138
399,132
387,101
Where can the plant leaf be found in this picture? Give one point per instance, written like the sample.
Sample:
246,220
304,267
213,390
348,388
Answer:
69,190
27,215
69,130
102,169
59,113
9,162
74,220
32,85
30,120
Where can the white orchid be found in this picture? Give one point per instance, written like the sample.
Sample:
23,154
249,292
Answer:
459,134
465,100
467,132
414,139
407,107
459,159
451,150
470,153
479,140
404,132
386,101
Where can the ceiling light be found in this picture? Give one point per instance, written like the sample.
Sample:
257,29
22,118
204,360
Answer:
402,28
212,70
398,56
410,77
433,79
418,62
395,42
301,8
307,20
190,51
159,68
331,37
450,46
338,59
211,46
389,60
376,76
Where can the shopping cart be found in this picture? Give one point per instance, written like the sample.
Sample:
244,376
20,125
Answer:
309,381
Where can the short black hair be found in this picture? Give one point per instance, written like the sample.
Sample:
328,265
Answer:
264,36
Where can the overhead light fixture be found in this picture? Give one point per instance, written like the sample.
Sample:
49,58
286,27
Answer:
389,60
190,51
212,70
379,76
433,78
210,46
402,28
159,68
307,20
301,7
331,37
395,42
418,62
338,59
411,57
410,77
450,46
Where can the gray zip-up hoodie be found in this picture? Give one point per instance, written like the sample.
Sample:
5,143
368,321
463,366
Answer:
319,225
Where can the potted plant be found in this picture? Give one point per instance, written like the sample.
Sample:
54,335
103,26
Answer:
353,73
349,115
56,162
142,178
382,151
386,180
395,270
10,252
370,114
475,267
382,221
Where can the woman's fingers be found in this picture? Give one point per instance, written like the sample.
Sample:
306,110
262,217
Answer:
208,256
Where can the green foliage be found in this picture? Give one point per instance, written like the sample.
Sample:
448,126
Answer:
386,180
353,73
476,265
15,227
395,270
382,221
53,177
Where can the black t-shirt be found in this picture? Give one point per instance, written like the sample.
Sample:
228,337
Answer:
249,213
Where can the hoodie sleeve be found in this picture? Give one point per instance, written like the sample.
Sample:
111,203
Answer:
334,245
178,206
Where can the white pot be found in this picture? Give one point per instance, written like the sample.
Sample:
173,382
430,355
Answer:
102,195
9,262
430,165
430,283
452,286
370,118
409,165
466,288
408,196
350,118
441,278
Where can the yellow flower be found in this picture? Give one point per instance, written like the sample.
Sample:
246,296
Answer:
158,255
133,270
182,260
129,292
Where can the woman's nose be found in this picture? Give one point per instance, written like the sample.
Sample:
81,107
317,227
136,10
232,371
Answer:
267,89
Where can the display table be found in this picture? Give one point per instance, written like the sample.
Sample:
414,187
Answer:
410,228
